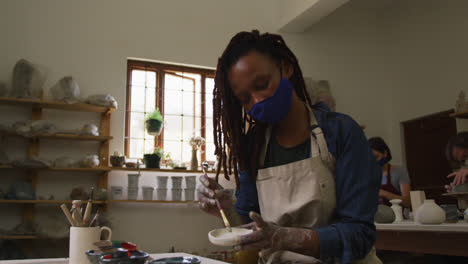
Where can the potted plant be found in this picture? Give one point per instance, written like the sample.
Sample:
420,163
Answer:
152,160
154,123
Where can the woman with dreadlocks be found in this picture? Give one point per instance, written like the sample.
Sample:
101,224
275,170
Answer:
305,176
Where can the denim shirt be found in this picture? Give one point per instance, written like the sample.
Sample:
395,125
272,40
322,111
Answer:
358,178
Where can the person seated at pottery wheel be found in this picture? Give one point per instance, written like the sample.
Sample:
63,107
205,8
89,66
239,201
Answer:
309,171
457,155
395,180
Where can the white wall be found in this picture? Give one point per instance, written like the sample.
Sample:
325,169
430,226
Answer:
425,43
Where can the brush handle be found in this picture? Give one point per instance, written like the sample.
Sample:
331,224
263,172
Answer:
67,214
87,213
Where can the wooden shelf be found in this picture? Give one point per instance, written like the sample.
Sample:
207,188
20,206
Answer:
45,202
97,169
64,137
158,170
463,114
81,107
18,237
151,201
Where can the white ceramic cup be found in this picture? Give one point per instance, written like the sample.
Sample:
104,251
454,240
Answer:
116,192
176,194
189,194
82,239
176,182
132,193
161,194
148,193
162,182
190,182
133,180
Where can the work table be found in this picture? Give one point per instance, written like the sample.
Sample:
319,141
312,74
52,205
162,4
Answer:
65,260
408,236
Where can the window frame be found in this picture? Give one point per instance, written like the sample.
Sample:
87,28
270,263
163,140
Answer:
161,69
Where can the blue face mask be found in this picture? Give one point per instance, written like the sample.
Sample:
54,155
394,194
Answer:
276,107
382,161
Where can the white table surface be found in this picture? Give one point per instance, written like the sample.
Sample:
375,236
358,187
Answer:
406,225
155,256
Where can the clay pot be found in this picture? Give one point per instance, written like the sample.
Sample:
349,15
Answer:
429,213
117,161
152,160
154,127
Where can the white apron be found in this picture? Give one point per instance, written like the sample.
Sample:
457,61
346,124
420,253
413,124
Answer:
300,194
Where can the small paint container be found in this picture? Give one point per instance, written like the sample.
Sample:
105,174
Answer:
148,193
161,194
190,182
116,192
176,194
93,257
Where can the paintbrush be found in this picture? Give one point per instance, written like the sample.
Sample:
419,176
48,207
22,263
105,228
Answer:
218,204
87,213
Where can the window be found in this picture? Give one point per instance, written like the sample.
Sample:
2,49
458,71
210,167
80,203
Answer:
184,97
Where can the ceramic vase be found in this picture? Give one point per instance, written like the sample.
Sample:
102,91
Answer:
194,161
397,209
429,213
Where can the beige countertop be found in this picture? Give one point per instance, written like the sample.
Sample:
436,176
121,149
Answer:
65,260
407,225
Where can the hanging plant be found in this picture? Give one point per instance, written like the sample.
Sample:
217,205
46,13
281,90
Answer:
154,123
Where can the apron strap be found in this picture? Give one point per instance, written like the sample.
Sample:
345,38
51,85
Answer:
318,137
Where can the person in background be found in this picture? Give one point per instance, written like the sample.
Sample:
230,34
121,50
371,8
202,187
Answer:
306,176
395,179
320,92
457,155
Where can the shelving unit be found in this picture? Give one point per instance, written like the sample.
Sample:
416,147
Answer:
64,137
37,105
152,201
463,115
45,202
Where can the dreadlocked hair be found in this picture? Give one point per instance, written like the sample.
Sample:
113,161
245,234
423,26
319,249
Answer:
230,120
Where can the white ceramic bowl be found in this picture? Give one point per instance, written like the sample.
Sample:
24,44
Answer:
222,237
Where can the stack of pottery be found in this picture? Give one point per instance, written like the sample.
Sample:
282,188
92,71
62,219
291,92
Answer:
161,191
133,183
176,188
147,192
189,191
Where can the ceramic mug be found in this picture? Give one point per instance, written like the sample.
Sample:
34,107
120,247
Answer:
82,239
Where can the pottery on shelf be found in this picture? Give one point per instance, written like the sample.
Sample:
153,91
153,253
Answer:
117,160
384,215
152,160
429,213
397,209
194,160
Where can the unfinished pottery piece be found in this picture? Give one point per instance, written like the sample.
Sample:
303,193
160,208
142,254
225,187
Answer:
384,215
222,237
429,213
397,209
460,188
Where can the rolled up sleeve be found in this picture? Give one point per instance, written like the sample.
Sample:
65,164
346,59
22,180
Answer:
358,178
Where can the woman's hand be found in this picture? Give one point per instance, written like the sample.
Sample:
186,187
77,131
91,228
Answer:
208,191
272,237
459,176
